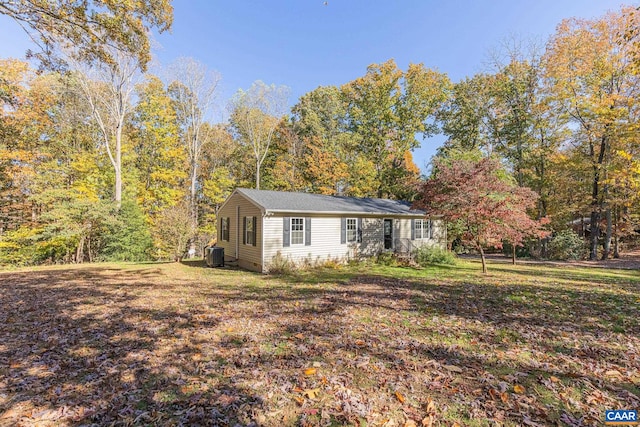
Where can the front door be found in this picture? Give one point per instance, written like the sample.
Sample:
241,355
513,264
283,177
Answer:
388,234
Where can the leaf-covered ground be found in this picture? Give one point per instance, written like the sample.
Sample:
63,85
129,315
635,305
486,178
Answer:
176,344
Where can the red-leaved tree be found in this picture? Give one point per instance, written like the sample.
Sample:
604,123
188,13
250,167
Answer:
485,205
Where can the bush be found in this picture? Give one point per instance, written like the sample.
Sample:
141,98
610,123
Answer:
281,266
433,255
130,238
388,259
566,245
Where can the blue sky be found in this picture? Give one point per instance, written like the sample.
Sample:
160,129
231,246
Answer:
304,44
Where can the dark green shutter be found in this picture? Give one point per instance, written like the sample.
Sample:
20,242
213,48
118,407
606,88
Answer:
244,230
255,230
307,231
286,224
343,230
359,231
413,229
228,220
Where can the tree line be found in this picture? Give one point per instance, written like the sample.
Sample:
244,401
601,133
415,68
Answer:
99,161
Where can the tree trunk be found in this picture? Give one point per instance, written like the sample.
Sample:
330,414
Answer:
118,168
595,235
616,248
513,255
258,174
80,251
606,245
484,261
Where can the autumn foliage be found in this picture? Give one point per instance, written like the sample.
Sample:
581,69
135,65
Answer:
477,196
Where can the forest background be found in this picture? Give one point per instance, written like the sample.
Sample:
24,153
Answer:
100,160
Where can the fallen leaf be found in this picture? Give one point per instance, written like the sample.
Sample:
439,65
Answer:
400,397
431,406
494,393
453,368
311,393
554,379
518,389
300,336
428,421
504,397
410,423
310,371
298,399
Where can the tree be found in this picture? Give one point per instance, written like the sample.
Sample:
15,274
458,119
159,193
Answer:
108,89
593,81
387,109
255,118
321,145
478,197
193,93
160,156
95,28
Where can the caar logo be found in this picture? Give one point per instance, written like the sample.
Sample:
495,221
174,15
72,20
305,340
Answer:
620,417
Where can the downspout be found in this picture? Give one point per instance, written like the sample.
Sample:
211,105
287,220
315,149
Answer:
264,215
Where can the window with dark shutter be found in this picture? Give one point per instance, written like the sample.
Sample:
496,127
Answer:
297,231
343,231
359,230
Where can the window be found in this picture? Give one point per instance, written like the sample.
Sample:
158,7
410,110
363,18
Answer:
224,229
249,235
352,230
419,227
297,231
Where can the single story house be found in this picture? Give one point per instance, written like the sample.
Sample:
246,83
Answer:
254,226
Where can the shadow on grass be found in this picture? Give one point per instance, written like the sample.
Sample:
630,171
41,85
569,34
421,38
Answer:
116,346
77,346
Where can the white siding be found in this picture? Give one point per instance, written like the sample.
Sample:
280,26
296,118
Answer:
247,256
325,240
372,237
326,235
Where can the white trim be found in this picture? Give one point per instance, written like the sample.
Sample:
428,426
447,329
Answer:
297,231
246,231
346,230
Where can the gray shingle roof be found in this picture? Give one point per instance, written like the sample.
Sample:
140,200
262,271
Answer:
282,201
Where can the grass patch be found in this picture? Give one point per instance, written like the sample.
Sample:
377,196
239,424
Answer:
171,344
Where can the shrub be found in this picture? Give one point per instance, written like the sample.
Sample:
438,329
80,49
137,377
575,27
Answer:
281,266
387,258
433,255
566,245
129,238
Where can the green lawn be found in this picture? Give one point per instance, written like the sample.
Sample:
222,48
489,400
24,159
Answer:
178,344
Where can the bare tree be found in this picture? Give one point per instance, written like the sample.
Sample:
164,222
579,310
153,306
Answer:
193,90
108,88
255,116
